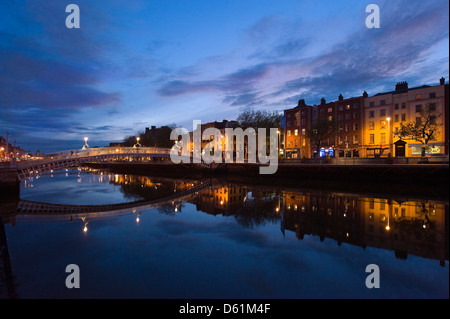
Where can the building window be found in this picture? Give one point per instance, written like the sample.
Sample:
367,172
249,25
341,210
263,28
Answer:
382,125
303,131
403,117
418,108
403,105
396,106
433,119
355,139
303,122
347,107
396,118
340,107
355,106
383,138
371,104
347,116
418,96
372,139
371,125
330,118
288,123
383,102
383,112
289,133
340,117
296,132
330,110
341,140
347,127
432,106
355,126
355,116
371,114
304,142
432,95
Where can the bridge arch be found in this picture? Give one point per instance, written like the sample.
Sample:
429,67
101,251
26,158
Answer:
72,158
26,207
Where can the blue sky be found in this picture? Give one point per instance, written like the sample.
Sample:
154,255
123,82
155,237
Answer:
138,63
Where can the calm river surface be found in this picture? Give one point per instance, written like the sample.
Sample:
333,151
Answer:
220,241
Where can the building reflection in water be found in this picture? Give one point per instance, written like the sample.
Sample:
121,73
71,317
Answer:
406,227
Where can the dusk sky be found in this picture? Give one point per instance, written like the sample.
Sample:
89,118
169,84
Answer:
137,63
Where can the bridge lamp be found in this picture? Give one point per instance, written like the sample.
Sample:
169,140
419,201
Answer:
85,146
137,142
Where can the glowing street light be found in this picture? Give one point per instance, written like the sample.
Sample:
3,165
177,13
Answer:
85,146
137,142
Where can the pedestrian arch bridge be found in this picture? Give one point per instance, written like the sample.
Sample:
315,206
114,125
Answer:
66,159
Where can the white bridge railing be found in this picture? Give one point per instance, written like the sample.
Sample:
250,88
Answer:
64,159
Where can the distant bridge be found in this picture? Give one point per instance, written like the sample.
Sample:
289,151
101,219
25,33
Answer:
65,159
26,207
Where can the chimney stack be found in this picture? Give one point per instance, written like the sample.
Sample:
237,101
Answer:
401,86
341,98
322,101
442,81
301,102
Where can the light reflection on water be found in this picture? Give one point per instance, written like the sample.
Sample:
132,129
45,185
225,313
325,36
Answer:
226,241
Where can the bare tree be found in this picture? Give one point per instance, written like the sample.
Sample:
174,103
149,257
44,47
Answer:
321,131
424,128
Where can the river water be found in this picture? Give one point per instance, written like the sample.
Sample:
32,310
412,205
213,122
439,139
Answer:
224,240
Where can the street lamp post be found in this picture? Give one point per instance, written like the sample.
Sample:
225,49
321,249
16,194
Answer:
389,132
279,141
137,142
85,146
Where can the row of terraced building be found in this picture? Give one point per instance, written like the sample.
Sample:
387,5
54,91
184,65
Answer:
366,125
